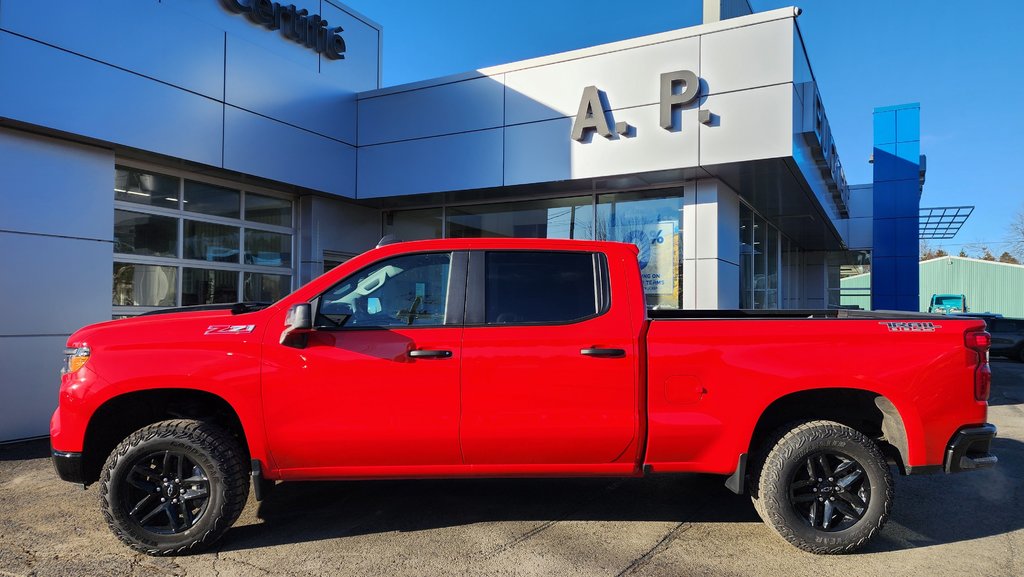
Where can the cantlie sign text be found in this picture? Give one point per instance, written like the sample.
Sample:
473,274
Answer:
295,24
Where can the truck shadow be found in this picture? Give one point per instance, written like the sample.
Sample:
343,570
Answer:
929,510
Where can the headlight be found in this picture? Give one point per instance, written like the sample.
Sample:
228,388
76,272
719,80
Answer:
74,359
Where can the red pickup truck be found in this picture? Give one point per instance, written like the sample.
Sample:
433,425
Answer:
513,358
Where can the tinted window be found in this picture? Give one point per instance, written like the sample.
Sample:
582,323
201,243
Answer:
539,287
409,290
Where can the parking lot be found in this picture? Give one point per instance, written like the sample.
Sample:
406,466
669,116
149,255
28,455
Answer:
686,525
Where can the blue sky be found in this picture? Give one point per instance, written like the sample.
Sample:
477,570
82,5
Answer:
962,61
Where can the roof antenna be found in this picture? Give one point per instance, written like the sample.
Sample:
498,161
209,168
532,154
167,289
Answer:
388,239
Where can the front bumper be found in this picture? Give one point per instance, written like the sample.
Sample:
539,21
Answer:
969,449
68,466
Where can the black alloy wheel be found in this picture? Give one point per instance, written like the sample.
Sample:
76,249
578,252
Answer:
166,492
831,491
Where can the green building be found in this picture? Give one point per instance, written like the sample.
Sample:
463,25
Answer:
990,286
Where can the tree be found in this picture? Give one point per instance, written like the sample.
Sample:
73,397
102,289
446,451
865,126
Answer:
927,253
1007,257
1016,238
987,255
963,253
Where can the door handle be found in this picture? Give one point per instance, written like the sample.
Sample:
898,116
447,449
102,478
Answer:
430,354
603,352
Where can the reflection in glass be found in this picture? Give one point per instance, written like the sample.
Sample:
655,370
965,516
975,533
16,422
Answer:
419,224
211,199
145,234
746,257
144,187
652,220
205,287
268,248
265,288
144,285
211,242
555,218
267,210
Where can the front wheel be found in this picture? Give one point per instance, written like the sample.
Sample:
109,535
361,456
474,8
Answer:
824,487
174,486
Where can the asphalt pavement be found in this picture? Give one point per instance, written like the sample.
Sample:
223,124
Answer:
966,524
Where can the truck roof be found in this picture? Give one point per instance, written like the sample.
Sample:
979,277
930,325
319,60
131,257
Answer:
509,243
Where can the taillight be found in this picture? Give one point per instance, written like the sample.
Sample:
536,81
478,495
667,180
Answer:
979,342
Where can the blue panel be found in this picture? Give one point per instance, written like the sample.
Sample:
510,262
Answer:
261,82
883,275
907,302
883,302
538,152
884,237
889,166
145,37
884,201
911,153
885,127
360,69
905,236
445,109
906,198
66,92
907,277
908,124
267,148
458,162
58,188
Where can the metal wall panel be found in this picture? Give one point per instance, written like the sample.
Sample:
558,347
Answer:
53,285
445,109
538,152
29,381
629,77
989,286
747,57
52,186
263,147
360,69
457,162
71,93
145,37
752,125
261,82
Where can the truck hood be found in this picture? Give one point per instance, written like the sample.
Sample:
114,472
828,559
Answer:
237,318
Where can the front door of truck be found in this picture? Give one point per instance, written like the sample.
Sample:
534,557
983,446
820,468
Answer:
549,367
377,382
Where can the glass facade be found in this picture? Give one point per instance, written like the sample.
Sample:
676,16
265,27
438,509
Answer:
652,220
180,242
760,261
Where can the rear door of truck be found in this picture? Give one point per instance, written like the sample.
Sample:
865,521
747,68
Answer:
549,365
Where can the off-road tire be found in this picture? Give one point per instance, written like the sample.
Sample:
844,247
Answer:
207,446
776,467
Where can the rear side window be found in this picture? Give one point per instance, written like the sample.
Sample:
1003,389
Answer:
542,287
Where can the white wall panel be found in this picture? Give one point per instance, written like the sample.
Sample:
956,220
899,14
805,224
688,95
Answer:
52,186
53,285
146,37
71,93
263,147
628,77
748,125
747,57
29,381
456,162
261,82
444,109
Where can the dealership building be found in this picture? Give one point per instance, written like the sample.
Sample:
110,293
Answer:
222,150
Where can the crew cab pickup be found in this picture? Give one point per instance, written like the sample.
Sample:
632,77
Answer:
513,358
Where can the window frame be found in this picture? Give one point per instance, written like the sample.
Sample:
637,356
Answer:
181,214
455,298
476,304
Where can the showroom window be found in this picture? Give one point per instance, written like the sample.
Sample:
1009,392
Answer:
181,241
760,254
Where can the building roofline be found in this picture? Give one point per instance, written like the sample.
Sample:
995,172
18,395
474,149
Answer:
967,258
659,38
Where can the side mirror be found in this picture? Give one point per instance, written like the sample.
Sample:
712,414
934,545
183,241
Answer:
297,324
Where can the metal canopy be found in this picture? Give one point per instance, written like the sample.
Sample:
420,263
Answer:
942,222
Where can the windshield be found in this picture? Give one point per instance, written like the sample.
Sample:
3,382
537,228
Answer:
949,300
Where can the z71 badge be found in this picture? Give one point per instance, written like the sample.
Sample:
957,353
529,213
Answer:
911,327
229,329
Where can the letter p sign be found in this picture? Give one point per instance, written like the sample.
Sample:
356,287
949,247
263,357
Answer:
690,89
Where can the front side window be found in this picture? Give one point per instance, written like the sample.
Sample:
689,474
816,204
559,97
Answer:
540,287
404,291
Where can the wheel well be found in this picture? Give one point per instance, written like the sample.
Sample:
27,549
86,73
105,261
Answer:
870,413
123,415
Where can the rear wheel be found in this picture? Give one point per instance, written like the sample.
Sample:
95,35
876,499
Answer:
174,486
824,487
